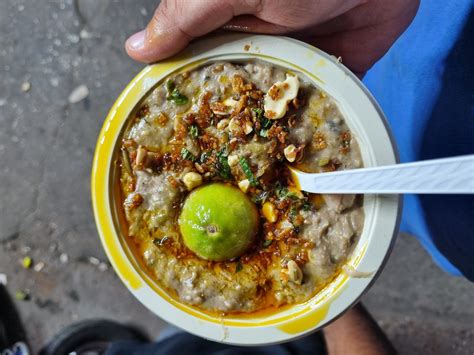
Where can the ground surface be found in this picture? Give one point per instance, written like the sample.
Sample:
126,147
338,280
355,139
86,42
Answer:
49,48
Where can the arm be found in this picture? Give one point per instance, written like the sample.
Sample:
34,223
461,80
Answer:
356,332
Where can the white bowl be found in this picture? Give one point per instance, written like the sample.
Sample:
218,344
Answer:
365,119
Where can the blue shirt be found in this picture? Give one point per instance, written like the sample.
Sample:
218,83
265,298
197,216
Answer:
425,85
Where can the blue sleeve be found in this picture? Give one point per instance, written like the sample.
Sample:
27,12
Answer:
425,85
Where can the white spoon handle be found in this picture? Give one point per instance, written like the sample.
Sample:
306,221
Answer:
439,176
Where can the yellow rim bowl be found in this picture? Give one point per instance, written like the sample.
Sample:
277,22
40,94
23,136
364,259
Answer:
382,213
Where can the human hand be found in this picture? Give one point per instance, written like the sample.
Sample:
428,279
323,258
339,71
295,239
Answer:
359,31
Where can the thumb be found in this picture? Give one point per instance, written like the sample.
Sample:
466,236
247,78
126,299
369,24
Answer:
176,22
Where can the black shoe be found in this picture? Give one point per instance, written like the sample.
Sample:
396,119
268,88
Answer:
12,334
90,337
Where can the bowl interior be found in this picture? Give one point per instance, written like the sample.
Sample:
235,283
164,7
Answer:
364,119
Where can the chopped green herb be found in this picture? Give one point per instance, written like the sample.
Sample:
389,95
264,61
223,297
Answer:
174,94
170,86
261,197
282,192
292,195
265,123
263,133
248,172
267,243
293,212
187,155
306,205
224,151
222,164
193,131
160,241
258,112
177,98
204,157
27,262
238,267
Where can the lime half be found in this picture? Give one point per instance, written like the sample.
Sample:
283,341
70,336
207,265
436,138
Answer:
218,222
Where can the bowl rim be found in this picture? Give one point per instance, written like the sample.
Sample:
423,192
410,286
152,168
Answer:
258,329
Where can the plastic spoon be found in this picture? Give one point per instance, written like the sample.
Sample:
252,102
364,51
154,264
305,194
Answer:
439,176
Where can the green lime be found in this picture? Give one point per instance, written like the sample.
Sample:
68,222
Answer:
218,222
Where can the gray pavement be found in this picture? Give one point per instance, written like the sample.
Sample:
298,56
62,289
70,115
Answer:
49,48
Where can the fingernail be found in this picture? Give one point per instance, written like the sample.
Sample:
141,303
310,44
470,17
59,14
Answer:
137,41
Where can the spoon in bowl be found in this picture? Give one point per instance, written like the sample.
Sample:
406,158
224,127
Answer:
438,176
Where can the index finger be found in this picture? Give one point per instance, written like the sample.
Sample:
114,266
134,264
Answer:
176,22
